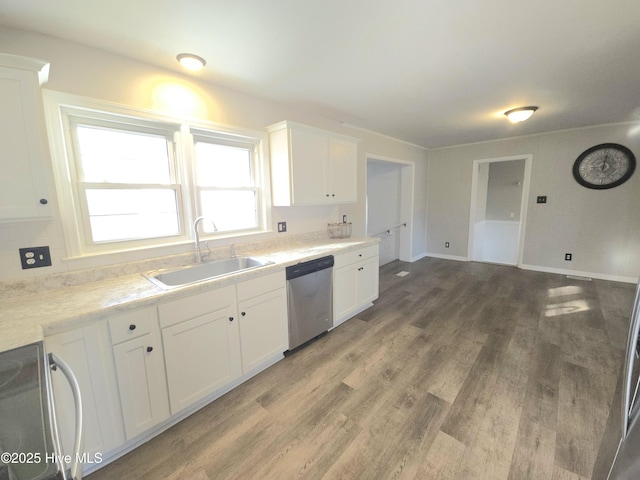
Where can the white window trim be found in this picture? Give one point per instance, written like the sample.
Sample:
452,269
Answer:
57,104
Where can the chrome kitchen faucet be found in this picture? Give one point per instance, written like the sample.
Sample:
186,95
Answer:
199,254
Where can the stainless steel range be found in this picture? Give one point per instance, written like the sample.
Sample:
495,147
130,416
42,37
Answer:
29,443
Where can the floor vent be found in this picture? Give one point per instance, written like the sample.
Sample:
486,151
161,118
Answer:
402,274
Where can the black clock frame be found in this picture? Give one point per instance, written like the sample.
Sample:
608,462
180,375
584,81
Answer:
620,181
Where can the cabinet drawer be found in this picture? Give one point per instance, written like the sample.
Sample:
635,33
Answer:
129,325
355,256
196,305
258,286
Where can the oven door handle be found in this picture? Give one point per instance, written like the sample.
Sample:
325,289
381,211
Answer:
76,467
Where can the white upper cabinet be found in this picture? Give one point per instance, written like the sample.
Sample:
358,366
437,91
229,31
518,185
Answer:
24,192
311,166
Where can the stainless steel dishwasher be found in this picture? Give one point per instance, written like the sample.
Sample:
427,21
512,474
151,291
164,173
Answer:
309,299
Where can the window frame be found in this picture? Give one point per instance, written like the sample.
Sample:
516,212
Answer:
64,111
236,142
81,185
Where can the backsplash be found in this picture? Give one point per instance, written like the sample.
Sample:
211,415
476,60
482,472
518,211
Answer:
79,277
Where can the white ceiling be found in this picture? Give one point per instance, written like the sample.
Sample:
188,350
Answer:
431,72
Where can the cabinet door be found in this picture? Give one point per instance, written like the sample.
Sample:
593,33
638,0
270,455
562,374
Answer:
202,355
88,353
345,292
24,147
142,381
368,280
263,328
342,174
309,158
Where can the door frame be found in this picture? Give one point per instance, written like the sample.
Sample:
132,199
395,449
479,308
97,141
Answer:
407,174
526,182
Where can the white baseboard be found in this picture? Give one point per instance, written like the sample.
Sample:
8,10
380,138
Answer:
538,268
418,257
575,273
447,257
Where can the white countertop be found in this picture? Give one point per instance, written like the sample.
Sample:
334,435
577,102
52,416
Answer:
26,319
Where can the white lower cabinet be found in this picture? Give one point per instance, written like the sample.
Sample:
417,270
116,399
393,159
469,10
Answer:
202,345
355,282
87,351
139,363
262,304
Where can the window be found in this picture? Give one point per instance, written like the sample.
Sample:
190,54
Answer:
225,183
126,183
135,179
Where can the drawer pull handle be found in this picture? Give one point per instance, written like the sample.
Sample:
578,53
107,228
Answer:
44,201
132,327
149,349
231,319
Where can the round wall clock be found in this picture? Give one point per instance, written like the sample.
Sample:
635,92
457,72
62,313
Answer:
604,166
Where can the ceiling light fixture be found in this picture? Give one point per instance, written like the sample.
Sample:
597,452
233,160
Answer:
520,114
191,61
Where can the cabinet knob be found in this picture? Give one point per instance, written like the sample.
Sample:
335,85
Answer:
327,194
149,349
243,313
360,269
44,201
132,327
231,319
333,194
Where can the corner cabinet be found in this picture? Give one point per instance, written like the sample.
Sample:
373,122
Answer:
24,162
355,282
87,350
310,166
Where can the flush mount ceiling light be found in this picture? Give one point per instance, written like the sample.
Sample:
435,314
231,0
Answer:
191,61
520,114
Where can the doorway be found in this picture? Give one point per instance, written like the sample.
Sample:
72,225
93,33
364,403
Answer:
499,193
390,206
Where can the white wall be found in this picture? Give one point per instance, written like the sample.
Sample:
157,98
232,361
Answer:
600,228
85,71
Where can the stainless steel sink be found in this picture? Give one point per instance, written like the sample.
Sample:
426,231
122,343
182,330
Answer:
176,277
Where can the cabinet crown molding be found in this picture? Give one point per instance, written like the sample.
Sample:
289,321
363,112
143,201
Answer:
26,63
308,128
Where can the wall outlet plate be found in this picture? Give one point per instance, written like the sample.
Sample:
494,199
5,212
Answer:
282,227
35,257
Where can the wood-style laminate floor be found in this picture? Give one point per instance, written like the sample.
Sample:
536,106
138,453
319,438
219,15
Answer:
459,371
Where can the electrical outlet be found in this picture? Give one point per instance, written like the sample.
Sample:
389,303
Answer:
568,256
35,257
446,244
282,227
541,199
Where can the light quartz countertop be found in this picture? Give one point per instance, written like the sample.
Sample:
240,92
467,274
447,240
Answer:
29,317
